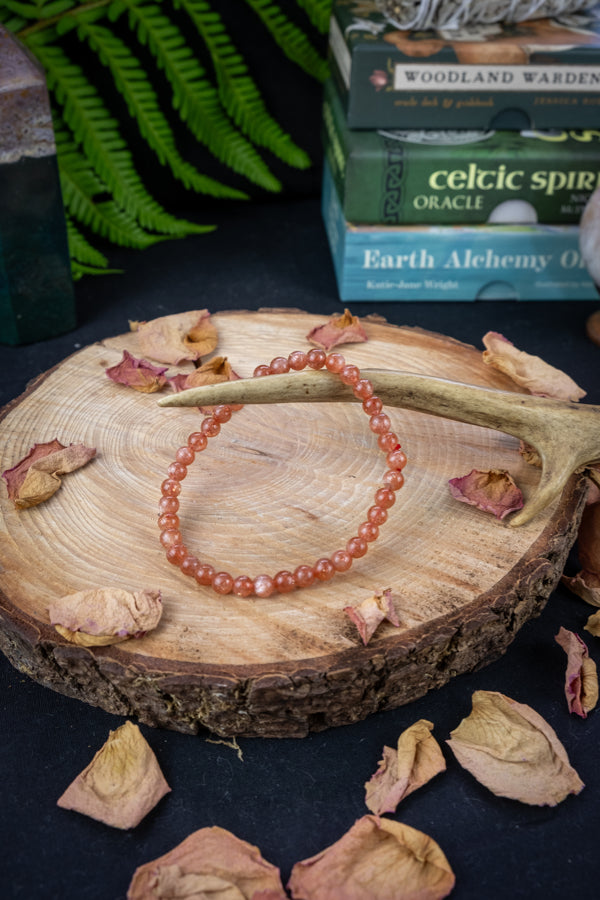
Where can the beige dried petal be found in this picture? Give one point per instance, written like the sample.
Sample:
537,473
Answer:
417,759
340,329
122,783
384,790
369,614
514,752
492,491
100,616
37,476
419,755
585,585
216,371
527,371
581,677
172,883
593,624
530,454
219,863
173,339
377,859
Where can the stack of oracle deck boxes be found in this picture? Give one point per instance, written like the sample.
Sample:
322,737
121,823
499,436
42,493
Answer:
458,163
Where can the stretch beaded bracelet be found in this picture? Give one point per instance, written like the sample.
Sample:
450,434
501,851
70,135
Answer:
304,575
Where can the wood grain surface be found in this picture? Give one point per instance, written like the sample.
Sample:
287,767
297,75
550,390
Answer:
281,485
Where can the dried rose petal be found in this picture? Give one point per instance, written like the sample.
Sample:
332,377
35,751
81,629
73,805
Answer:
530,454
172,339
593,624
102,616
216,371
178,382
514,752
585,585
492,491
16,476
369,614
529,372
138,374
340,329
377,859
37,476
213,863
417,759
122,783
588,539
581,677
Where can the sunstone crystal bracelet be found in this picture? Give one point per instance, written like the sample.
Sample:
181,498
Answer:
325,567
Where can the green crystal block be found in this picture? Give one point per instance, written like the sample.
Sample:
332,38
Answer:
36,291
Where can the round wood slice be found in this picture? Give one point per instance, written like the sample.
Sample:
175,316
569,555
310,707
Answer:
281,485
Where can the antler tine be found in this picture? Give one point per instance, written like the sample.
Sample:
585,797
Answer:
566,435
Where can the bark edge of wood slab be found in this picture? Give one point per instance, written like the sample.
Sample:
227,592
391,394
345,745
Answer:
298,697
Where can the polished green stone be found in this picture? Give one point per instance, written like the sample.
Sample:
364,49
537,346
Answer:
36,291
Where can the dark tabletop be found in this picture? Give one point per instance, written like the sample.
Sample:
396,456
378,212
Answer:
290,797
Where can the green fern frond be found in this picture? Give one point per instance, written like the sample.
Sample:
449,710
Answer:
81,189
131,82
292,40
39,10
237,90
10,21
319,13
78,270
219,102
96,131
81,250
194,96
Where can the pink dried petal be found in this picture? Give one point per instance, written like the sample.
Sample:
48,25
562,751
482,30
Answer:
173,339
527,371
514,752
212,862
138,374
384,790
493,491
417,759
581,677
369,614
178,382
588,539
377,859
102,616
340,329
585,585
37,477
15,477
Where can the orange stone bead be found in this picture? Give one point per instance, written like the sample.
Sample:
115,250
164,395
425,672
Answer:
222,583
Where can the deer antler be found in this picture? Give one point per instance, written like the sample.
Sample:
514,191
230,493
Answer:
566,435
